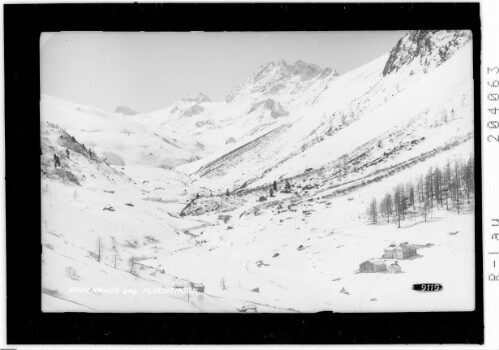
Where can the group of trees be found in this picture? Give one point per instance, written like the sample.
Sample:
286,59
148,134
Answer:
272,189
115,254
114,258
450,188
91,153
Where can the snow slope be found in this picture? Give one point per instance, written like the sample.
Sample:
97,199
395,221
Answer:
123,140
357,107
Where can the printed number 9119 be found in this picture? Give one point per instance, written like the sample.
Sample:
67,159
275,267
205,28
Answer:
427,287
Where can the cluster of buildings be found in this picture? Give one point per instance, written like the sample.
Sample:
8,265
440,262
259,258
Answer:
393,251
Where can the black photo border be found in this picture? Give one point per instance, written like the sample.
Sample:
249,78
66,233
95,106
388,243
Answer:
26,324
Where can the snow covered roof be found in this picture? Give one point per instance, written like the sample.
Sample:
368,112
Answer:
196,284
401,245
395,267
406,245
375,261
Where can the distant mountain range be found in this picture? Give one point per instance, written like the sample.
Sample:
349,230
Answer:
286,118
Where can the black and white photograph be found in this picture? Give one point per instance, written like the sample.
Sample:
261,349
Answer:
257,172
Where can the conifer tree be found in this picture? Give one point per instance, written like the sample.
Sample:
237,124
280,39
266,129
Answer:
388,205
373,210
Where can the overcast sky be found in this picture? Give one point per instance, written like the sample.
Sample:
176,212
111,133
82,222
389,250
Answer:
149,71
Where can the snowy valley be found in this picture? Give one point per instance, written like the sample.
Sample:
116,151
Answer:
271,200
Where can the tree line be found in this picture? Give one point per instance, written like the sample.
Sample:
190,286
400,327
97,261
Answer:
450,188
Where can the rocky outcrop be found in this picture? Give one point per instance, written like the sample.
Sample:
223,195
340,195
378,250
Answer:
424,50
193,110
125,110
275,108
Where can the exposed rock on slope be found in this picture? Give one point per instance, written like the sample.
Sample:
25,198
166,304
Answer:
425,49
230,140
193,110
275,108
125,110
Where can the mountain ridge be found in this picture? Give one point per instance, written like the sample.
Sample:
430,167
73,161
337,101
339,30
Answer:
429,48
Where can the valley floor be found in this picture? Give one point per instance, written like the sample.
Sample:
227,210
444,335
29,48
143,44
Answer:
125,248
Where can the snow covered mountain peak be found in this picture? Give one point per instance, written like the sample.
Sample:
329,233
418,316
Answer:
187,107
423,50
274,77
282,70
201,98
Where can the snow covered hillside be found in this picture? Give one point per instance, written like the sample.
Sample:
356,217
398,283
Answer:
350,111
258,203
76,163
119,138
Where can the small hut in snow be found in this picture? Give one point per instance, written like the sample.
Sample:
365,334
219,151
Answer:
394,268
198,287
372,265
